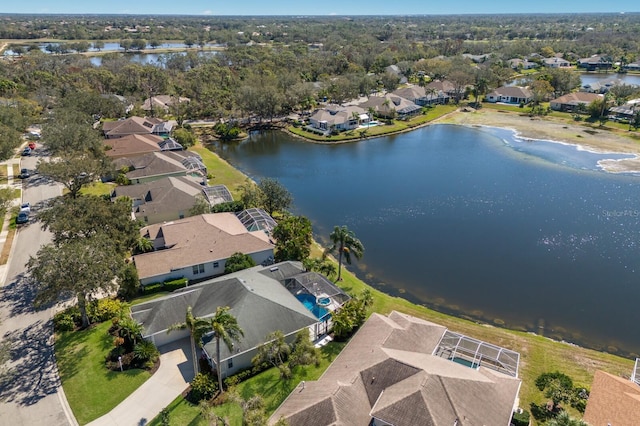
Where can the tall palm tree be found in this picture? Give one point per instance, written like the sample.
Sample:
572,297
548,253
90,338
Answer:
225,327
197,328
345,243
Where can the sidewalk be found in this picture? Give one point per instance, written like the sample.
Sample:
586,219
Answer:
11,183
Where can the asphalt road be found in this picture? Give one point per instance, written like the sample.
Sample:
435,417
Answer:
30,386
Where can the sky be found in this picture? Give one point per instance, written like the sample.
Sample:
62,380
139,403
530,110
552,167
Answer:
325,7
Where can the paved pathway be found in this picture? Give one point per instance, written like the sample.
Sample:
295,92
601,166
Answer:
171,379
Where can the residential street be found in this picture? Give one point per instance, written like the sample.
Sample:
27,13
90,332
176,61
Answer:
30,389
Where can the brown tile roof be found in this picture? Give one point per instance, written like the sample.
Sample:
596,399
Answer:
613,400
577,98
162,101
132,145
198,239
130,126
388,371
513,91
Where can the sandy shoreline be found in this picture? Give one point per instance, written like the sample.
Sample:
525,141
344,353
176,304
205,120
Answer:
548,128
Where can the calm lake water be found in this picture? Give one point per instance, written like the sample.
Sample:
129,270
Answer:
475,222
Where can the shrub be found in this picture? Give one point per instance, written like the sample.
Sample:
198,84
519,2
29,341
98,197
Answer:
174,284
152,288
64,321
520,418
104,309
145,351
203,386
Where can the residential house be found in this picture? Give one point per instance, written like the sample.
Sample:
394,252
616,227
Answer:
523,64
570,101
633,66
161,200
600,86
613,400
510,95
158,165
403,371
128,105
555,62
478,59
596,62
391,106
162,102
445,87
132,145
137,126
257,298
337,117
420,96
198,247
627,111
395,70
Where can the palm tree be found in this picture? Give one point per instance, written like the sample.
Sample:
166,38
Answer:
197,328
564,419
225,327
345,243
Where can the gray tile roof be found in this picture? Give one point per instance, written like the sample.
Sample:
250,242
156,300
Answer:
387,371
132,145
260,304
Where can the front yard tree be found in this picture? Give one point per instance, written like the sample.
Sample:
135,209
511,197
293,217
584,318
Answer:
197,328
293,236
275,197
80,268
345,244
73,172
275,352
237,262
226,329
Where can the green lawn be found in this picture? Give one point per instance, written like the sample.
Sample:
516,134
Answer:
91,389
268,384
98,188
222,173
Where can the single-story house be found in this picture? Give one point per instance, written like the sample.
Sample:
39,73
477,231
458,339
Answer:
257,298
420,96
524,64
556,62
633,66
478,59
595,62
395,70
158,165
337,117
570,101
510,95
442,86
161,200
601,86
132,145
391,105
403,371
628,110
614,400
198,247
162,102
137,126
128,106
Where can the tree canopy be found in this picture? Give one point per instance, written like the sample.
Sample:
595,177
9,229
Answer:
293,236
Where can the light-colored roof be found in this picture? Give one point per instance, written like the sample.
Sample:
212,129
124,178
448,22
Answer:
512,91
388,371
442,86
613,400
336,114
131,126
385,104
131,145
260,303
411,92
155,164
162,102
196,240
577,98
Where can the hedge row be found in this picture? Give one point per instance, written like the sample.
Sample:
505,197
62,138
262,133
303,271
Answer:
165,286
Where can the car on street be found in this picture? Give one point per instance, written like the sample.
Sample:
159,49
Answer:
25,207
23,217
24,173
26,151
32,146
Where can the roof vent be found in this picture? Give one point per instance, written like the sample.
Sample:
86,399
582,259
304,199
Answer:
275,268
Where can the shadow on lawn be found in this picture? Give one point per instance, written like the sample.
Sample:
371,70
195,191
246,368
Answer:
32,373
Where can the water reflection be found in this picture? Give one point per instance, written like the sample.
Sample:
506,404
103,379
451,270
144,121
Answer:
477,223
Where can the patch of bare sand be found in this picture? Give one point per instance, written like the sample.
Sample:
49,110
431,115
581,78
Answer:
549,128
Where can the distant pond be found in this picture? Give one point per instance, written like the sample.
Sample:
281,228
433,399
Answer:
477,223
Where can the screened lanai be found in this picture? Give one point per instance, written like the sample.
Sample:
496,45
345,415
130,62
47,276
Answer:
217,194
475,353
317,285
256,219
635,376
194,164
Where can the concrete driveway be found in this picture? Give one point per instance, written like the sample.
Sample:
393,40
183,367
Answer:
171,379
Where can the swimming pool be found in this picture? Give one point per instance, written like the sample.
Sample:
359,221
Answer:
309,302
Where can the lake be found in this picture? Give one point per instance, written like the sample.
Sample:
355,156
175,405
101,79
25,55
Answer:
477,223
